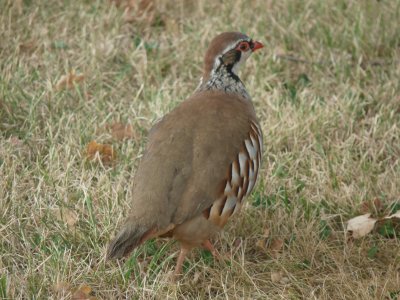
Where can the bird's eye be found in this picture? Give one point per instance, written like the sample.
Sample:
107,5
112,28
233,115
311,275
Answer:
244,46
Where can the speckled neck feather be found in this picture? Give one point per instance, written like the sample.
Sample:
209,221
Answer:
223,79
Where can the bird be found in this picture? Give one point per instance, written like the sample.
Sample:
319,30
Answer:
201,159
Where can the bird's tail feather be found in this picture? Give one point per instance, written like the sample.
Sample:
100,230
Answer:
127,239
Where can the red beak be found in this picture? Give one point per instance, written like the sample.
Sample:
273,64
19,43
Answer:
257,45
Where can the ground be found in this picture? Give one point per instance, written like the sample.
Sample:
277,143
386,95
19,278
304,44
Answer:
327,93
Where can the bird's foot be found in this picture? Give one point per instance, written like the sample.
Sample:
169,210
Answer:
208,246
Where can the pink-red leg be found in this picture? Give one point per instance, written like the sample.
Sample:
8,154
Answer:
181,258
207,245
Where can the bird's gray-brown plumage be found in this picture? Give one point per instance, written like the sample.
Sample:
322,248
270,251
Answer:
201,159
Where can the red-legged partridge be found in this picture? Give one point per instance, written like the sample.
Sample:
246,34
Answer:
201,160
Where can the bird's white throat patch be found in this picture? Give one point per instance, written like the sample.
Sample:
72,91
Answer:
224,80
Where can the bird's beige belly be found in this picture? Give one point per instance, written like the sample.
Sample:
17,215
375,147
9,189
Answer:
195,231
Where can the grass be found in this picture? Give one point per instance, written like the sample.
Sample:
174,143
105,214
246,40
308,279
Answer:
327,92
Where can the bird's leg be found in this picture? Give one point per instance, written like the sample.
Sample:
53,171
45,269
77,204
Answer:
207,245
181,259
221,257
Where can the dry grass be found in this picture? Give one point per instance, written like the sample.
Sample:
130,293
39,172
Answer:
326,90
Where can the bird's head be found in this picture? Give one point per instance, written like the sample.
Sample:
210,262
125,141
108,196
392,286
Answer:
228,50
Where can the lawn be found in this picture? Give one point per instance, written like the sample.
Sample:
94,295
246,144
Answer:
326,89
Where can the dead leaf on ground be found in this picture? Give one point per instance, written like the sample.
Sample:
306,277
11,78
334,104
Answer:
120,131
262,243
236,243
66,215
266,232
374,207
103,151
69,80
395,215
28,46
275,247
83,293
360,225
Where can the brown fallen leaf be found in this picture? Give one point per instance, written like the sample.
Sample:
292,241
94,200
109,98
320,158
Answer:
83,293
374,207
360,226
266,232
262,243
275,247
120,131
28,46
69,80
105,152
237,242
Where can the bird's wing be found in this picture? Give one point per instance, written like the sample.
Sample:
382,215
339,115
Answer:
188,156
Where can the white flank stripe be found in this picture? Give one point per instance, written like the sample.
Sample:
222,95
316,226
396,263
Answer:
228,188
251,149
229,204
242,162
254,142
214,213
235,174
